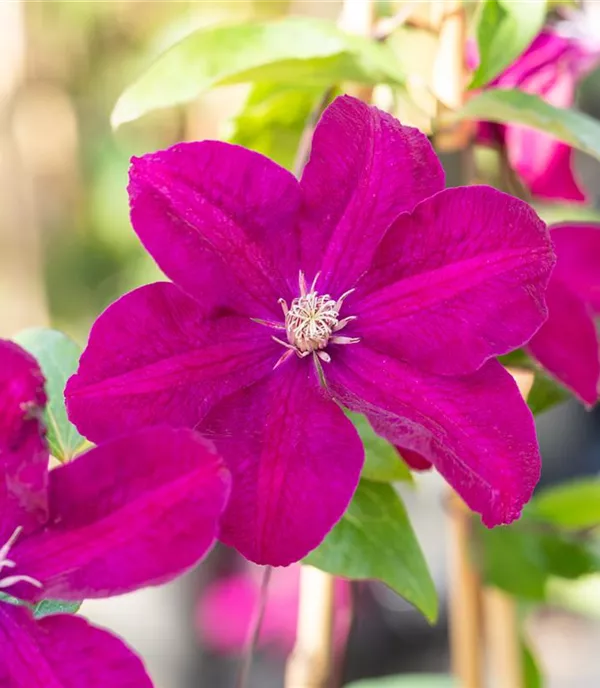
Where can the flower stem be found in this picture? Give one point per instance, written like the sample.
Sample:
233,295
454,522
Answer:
255,627
310,663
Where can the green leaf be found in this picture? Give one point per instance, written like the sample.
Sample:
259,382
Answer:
532,675
58,356
553,213
545,393
515,107
49,607
273,119
408,681
575,504
301,51
374,540
382,462
505,28
521,558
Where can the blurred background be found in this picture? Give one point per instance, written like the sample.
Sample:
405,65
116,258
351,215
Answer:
67,251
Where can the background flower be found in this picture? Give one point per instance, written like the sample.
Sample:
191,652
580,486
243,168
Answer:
551,68
567,345
134,512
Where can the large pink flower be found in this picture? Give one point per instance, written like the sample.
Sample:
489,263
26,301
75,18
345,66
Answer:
551,68
366,284
136,511
568,344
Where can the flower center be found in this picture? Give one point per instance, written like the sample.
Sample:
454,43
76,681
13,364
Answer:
311,322
6,563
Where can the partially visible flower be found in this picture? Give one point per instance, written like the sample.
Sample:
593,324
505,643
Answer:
366,284
551,68
226,609
136,511
568,344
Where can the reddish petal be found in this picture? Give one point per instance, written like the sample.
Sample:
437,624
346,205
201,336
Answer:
476,430
154,358
63,651
295,461
365,168
567,344
219,220
460,280
23,451
578,265
133,512
414,460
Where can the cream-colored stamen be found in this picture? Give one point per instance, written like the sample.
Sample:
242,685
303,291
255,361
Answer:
5,562
311,322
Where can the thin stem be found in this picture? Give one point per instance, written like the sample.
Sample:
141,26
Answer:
255,627
310,663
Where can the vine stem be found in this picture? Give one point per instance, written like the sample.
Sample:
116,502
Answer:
311,661
254,633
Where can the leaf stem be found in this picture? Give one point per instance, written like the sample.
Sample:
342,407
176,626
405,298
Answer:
255,627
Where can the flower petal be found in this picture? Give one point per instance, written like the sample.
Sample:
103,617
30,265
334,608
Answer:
154,358
578,265
476,430
133,512
567,345
220,221
23,451
365,169
458,281
414,460
63,651
295,461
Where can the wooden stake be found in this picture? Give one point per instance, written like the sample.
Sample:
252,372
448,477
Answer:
503,650
310,664
464,600
358,17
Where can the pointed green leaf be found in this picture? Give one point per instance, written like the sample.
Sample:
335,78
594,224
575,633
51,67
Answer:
382,462
50,607
575,504
273,119
296,50
504,30
515,107
58,356
545,393
375,540
532,674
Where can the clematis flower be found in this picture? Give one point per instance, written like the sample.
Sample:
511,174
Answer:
136,511
366,284
567,345
551,68
225,611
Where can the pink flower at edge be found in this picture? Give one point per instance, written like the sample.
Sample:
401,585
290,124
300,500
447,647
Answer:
551,68
136,511
567,345
227,606
365,284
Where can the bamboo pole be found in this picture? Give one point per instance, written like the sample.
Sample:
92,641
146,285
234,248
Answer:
311,661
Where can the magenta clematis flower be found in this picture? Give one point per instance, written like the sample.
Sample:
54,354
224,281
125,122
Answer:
225,611
136,511
551,68
366,285
567,345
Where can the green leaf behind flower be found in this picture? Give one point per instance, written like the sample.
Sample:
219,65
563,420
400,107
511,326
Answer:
50,607
302,51
408,681
375,540
505,28
572,505
58,356
512,106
